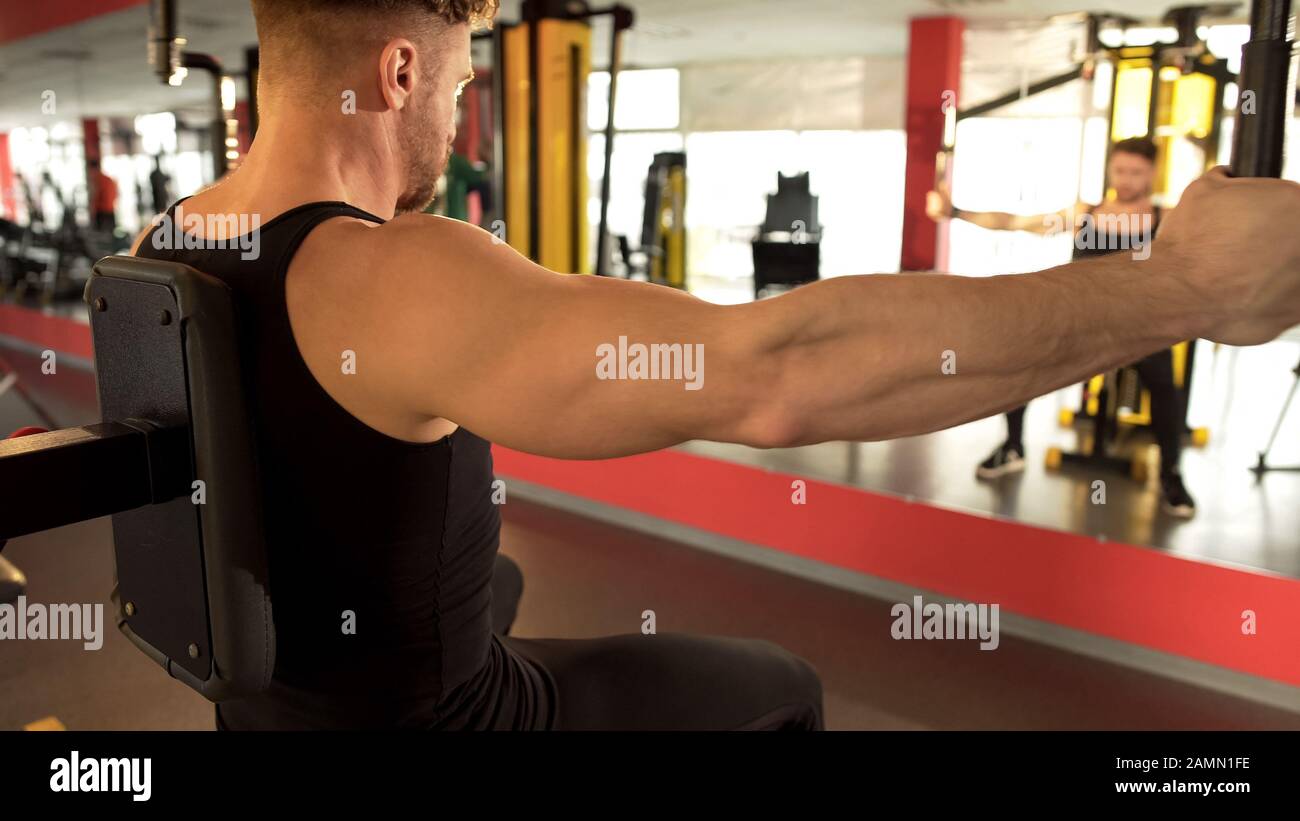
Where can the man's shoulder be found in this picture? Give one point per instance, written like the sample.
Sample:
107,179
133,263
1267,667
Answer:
410,243
406,258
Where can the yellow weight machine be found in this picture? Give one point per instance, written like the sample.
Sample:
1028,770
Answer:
541,69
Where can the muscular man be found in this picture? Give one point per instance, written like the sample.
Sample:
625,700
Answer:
1126,223
385,348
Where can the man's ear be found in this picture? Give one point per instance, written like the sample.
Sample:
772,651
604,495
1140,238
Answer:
397,72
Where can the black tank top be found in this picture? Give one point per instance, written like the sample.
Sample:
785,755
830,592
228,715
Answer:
1093,241
362,529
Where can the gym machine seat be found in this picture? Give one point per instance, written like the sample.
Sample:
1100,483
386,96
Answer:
175,465
787,251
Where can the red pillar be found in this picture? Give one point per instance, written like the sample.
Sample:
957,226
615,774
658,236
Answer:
933,83
8,201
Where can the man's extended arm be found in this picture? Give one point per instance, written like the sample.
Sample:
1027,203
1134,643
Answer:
461,327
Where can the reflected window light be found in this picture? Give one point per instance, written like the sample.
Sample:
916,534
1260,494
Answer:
227,93
1230,92
1150,35
1101,84
1225,42
648,100
157,132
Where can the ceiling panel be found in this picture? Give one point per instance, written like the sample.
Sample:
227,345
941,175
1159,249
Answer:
98,67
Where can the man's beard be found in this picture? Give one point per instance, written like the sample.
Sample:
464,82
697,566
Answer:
423,170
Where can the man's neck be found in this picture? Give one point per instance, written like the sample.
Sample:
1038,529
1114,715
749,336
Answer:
296,161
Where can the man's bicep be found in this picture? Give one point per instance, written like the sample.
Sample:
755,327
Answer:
570,366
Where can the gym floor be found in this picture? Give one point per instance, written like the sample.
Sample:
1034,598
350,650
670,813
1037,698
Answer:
585,578
1240,520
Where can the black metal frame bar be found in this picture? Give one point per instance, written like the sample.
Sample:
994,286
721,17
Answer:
1262,466
1258,143
48,480
1021,94
621,19
166,55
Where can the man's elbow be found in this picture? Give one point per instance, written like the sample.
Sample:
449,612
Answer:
772,421
767,428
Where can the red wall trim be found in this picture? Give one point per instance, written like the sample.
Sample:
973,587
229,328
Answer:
25,18
1133,594
54,333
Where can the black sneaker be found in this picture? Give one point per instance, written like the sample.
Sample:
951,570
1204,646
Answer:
1175,499
1006,459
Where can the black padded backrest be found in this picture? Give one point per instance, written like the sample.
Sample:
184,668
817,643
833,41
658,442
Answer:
793,203
192,585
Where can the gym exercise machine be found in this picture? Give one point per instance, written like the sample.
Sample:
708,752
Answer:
51,260
661,257
1186,95
171,62
174,464
1168,92
174,461
787,250
1262,466
540,72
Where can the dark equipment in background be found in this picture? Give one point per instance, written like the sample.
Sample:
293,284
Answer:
787,251
51,260
1116,404
1259,143
167,56
1262,466
540,71
661,257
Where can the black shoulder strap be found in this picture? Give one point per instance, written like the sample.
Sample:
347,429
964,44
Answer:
304,219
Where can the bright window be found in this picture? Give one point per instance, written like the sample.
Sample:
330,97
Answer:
648,100
857,176
1020,166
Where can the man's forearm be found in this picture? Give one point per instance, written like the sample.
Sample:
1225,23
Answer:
878,357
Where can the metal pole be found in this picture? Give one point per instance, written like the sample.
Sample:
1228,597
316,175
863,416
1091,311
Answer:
602,239
1267,91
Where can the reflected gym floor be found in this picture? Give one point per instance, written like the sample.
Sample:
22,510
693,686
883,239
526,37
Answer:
1238,394
585,578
